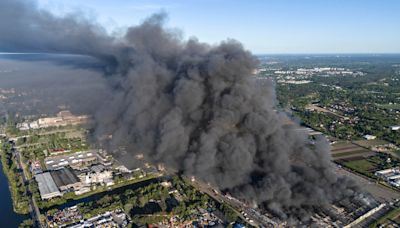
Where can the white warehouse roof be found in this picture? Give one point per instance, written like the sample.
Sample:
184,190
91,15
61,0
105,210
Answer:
47,186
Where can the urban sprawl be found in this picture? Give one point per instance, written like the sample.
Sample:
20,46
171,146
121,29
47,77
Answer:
62,179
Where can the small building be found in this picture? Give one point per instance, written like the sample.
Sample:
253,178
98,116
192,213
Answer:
47,187
108,182
36,167
369,137
395,128
82,190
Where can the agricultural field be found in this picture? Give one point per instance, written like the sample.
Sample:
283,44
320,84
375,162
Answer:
368,166
370,143
346,149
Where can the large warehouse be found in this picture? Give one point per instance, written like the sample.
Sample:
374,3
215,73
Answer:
65,179
47,187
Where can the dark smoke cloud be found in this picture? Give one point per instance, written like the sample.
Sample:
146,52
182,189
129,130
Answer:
194,107
26,28
44,82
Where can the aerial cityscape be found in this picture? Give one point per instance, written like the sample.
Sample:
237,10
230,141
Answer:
145,127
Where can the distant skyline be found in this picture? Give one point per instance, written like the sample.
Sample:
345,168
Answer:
264,27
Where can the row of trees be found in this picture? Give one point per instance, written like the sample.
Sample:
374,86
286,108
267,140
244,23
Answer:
15,180
153,203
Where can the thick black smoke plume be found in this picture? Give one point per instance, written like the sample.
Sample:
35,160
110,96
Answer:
194,107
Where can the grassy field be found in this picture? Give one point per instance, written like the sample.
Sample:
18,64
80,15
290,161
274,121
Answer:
368,166
362,166
370,143
346,149
355,152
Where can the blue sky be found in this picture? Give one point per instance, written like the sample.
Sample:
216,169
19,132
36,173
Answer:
264,26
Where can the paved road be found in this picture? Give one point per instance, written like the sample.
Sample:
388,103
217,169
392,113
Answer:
254,218
381,193
374,217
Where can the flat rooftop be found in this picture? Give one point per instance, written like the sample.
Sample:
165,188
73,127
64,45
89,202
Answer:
70,159
46,184
64,177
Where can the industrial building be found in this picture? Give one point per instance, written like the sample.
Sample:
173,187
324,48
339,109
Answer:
63,118
392,175
66,179
75,160
47,187
96,174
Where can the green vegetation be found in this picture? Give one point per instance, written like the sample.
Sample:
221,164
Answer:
11,128
36,146
27,223
15,180
361,166
369,165
71,196
369,102
361,151
155,202
229,213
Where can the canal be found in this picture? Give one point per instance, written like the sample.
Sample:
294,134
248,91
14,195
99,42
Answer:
98,196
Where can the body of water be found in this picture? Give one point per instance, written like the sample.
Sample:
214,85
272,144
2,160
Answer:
8,218
98,196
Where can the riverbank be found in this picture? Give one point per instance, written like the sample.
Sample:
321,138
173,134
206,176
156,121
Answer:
8,217
15,181
96,196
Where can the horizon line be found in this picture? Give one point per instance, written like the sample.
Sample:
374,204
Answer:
331,53
254,53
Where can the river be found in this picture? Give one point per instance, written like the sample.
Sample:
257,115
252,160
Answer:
8,218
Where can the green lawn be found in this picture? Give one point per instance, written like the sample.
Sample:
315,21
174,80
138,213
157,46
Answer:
371,164
361,151
360,165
